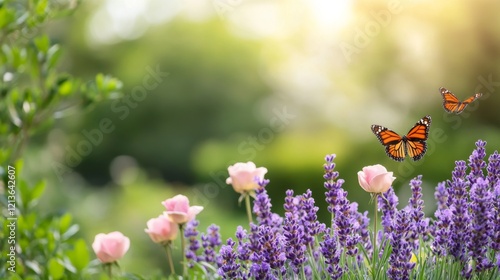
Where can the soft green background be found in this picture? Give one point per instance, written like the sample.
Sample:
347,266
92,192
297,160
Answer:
279,83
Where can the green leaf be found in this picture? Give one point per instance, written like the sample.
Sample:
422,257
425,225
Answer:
15,57
66,88
113,84
33,59
42,43
56,270
65,222
70,232
80,255
24,196
33,265
13,276
99,80
38,190
6,17
66,263
53,55
41,8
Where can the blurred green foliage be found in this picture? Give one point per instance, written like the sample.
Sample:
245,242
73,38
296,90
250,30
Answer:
35,244
208,90
199,95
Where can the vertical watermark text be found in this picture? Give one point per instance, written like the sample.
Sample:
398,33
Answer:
11,218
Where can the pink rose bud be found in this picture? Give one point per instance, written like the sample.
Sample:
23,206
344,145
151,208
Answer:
375,179
179,210
110,247
162,229
245,176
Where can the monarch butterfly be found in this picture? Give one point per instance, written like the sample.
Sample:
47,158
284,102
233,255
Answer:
412,144
451,103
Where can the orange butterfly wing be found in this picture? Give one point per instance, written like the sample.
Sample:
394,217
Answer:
451,103
416,137
394,145
412,144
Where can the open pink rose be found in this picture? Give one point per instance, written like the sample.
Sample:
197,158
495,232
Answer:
110,247
179,210
375,179
244,176
162,229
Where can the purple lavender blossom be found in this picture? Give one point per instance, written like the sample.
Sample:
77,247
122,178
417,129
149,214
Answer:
266,250
459,172
272,248
253,238
480,232
467,222
228,268
243,251
210,242
399,260
262,207
458,201
419,225
312,227
493,168
243,245
442,232
290,202
363,222
387,204
441,195
331,250
335,195
294,243
476,162
339,206
191,234
494,180
308,273
262,182
260,270
496,222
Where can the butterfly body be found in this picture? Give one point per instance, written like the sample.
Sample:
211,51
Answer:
412,144
451,103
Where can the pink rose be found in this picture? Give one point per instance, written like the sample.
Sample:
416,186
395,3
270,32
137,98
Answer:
375,179
244,176
110,247
162,229
179,210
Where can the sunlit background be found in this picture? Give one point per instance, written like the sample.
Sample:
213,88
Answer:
281,83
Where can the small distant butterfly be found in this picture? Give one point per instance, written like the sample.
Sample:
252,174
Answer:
451,103
412,144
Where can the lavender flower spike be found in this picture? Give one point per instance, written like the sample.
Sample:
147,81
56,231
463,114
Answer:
458,204
228,267
295,248
479,242
476,161
211,242
399,261
419,225
262,207
191,234
332,252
